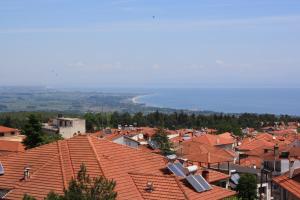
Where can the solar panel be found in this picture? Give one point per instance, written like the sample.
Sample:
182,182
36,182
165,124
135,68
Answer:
1,169
153,145
198,183
235,178
180,167
177,169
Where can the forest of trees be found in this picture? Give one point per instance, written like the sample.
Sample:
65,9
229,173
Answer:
176,120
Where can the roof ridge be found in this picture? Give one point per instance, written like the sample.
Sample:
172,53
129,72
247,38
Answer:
128,147
150,174
159,175
61,164
96,155
181,188
69,157
136,186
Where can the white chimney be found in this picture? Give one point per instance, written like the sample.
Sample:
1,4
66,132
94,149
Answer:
26,173
291,167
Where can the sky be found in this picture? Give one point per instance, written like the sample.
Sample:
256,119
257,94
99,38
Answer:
150,43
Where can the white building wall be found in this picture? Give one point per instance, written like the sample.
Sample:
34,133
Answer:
78,126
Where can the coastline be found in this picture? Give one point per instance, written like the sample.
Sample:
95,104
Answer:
224,100
135,99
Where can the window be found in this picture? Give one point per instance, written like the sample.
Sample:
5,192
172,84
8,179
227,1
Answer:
1,134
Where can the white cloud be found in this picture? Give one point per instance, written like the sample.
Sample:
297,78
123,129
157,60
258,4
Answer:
156,66
78,64
220,62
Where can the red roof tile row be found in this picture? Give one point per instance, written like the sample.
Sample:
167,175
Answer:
4,129
53,166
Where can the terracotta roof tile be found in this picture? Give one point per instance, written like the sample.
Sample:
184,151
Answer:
165,187
53,166
4,129
214,194
197,151
214,176
214,140
11,146
290,184
254,144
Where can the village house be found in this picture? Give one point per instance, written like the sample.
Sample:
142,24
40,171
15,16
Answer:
67,127
267,155
52,166
10,141
9,147
7,133
224,140
287,186
132,136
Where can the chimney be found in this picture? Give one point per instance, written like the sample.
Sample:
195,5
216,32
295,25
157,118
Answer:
276,150
291,167
182,160
205,174
149,186
26,173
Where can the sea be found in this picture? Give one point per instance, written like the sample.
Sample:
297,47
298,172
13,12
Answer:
234,100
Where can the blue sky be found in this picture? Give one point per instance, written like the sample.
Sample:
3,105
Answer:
150,43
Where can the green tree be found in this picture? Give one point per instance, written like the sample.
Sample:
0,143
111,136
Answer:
161,138
33,132
53,196
34,135
28,197
7,121
246,187
49,138
86,188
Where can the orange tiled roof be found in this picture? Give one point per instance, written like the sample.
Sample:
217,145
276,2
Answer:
209,158
4,129
196,151
251,161
214,140
165,187
214,175
284,131
11,146
215,193
53,165
290,184
265,136
254,144
148,131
